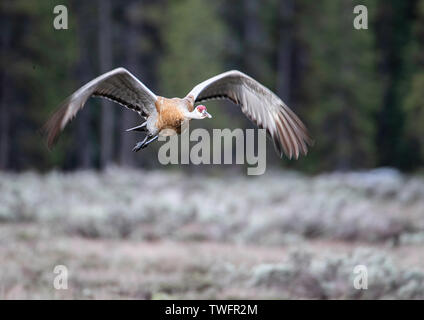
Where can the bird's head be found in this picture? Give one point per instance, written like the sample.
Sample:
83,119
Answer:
201,112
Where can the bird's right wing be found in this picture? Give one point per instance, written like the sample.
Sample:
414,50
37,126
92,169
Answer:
118,85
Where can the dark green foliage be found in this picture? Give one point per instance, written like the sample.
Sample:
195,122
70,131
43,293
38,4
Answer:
414,99
40,65
359,91
193,36
393,33
341,90
194,43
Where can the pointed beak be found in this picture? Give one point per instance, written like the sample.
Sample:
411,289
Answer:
207,114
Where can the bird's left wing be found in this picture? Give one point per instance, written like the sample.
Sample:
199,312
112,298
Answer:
261,106
118,85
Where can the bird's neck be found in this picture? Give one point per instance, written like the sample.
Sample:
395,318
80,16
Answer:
193,115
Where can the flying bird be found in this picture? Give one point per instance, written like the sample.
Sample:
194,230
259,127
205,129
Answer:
163,116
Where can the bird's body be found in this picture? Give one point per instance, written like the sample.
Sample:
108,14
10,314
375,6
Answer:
171,113
163,116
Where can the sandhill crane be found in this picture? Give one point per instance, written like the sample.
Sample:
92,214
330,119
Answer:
258,103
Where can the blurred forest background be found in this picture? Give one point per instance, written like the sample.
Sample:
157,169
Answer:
134,230
359,91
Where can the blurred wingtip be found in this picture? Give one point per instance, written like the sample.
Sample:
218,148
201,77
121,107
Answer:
43,134
52,128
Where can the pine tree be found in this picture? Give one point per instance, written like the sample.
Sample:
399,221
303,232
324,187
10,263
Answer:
194,49
38,63
106,62
414,100
341,89
193,37
393,32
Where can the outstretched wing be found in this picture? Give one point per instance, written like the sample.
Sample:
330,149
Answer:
261,106
118,85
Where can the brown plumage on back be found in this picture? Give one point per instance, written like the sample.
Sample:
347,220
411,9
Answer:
170,115
258,103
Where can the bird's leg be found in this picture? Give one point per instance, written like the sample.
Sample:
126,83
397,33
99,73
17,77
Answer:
139,145
145,142
141,127
149,141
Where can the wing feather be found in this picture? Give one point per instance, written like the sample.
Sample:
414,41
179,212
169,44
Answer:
118,85
261,106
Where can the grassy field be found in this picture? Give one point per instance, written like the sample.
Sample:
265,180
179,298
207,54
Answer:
156,235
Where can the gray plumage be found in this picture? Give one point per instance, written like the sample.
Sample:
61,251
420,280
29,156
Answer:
257,102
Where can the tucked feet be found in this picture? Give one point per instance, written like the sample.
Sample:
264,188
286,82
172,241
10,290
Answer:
143,144
138,146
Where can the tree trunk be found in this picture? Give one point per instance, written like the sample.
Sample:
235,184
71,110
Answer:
285,49
105,59
5,88
84,73
129,118
252,38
